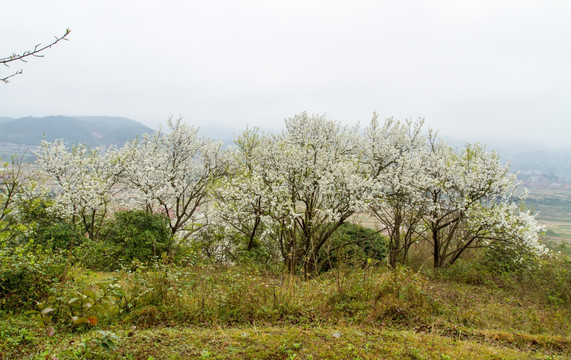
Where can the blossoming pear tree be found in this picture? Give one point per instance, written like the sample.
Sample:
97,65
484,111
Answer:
312,181
173,173
86,181
242,199
11,179
472,203
396,172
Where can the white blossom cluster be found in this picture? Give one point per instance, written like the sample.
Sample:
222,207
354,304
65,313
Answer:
289,192
86,180
173,173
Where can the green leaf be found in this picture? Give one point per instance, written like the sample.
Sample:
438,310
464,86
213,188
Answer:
82,320
99,308
73,300
102,286
90,293
106,299
110,343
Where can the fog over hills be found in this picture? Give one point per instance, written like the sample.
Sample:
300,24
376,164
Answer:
526,158
104,131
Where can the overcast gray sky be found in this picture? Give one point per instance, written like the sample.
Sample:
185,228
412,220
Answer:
474,69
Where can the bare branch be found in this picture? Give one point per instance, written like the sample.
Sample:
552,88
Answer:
36,52
6,81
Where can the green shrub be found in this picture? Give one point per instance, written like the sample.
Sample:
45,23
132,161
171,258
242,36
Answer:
503,258
98,255
28,274
129,235
48,229
554,278
353,245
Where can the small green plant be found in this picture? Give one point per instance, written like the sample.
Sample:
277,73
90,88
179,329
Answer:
28,274
104,339
84,309
87,305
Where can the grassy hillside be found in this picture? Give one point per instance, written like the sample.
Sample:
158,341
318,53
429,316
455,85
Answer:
206,312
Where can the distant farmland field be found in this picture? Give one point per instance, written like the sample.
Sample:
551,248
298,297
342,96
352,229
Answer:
553,203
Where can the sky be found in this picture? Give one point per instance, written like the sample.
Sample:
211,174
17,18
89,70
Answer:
472,69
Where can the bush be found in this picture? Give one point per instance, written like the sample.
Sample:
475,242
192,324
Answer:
554,278
353,245
28,275
48,229
128,236
509,259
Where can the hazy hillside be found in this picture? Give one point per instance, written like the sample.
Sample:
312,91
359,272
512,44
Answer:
530,160
92,130
556,163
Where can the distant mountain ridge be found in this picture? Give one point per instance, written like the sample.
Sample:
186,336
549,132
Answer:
90,130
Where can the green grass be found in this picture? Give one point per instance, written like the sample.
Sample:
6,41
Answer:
248,313
342,341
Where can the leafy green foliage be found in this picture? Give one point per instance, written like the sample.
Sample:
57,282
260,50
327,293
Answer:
508,258
28,274
81,311
129,236
154,285
49,229
523,314
354,245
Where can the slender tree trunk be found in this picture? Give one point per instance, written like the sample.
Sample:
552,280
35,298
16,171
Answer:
251,242
436,249
394,245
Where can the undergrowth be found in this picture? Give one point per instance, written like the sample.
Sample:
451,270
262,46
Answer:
515,313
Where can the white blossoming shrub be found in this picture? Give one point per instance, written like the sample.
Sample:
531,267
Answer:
472,199
241,200
293,190
512,241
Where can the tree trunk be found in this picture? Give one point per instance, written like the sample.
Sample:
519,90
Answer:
436,249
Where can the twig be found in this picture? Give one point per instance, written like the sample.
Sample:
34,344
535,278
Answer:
36,52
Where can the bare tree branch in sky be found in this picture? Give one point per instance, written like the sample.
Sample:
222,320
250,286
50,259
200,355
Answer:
36,52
